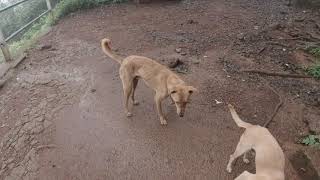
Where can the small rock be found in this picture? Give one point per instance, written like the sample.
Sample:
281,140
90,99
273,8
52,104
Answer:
191,21
40,119
174,63
196,61
44,47
178,50
283,12
241,36
93,90
183,53
313,121
256,27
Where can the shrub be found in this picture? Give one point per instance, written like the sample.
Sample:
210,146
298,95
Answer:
311,140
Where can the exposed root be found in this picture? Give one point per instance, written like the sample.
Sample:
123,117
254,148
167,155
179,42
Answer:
277,107
267,73
48,146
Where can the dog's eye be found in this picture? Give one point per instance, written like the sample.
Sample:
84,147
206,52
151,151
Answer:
172,92
190,91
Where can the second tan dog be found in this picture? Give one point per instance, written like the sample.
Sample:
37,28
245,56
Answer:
269,159
163,81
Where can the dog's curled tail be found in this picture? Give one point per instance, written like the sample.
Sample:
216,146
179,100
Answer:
237,119
105,44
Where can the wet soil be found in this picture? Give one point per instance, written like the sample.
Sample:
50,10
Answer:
62,110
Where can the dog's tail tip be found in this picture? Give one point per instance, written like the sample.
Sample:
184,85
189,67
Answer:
230,106
106,41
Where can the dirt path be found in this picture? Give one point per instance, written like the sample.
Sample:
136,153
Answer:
69,96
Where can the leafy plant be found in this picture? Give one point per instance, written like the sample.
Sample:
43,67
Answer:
311,140
315,51
65,7
29,36
314,70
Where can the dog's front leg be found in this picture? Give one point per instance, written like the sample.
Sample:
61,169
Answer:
158,99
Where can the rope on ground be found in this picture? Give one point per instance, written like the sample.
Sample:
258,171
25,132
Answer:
274,73
277,107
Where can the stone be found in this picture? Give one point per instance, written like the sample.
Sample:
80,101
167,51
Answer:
312,118
241,36
174,63
183,53
44,47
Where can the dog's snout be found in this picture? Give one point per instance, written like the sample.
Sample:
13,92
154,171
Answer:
181,115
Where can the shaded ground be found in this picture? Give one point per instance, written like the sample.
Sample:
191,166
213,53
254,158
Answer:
62,112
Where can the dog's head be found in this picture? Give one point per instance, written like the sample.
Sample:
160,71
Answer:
180,94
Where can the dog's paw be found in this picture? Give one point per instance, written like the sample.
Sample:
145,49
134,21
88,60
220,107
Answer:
229,169
246,161
163,122
129,114
136,103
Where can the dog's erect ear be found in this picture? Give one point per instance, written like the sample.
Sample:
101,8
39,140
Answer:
191,89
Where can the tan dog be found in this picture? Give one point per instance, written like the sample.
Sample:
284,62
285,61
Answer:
269,160
163,81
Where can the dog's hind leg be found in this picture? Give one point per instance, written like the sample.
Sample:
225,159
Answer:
244,176
134,86
245,158
242,147
127,84
158,99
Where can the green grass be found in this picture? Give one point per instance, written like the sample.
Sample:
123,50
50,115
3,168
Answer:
66,7
315,51
314,70
63,8
311,140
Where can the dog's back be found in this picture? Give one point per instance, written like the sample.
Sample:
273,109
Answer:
269,154
270,160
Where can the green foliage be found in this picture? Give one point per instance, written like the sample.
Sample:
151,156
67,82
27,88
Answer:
315,51
13,19
312,140
314,71
64,7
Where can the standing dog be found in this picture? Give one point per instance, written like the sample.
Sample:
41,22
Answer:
163,81
270,159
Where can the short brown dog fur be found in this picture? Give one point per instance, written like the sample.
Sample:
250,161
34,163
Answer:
269,159
163,81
